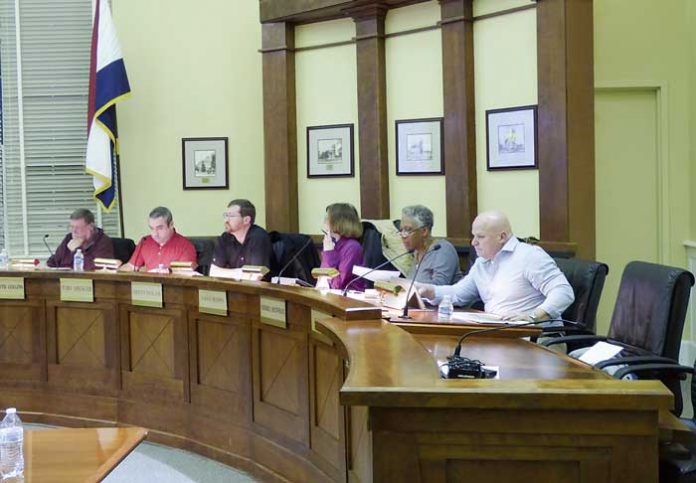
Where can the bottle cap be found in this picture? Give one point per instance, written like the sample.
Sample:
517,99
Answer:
11,411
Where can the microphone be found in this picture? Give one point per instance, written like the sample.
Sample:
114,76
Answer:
464,367
345,290
294,257
435,248
45,237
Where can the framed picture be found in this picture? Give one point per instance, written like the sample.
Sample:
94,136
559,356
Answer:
330,151
204,163
511,138
419,147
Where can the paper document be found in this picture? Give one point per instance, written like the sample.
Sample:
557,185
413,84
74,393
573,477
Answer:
599,352
377,275
477,318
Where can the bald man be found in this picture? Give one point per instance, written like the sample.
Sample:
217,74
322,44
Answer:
515,280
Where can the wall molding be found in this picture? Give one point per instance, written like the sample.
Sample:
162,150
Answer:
663,160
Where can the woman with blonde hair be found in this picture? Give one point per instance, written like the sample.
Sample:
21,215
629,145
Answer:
342,250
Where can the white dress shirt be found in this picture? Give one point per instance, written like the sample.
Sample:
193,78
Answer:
518,280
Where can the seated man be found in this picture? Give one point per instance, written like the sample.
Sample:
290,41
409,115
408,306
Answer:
439,267
162,247
84,235
514,280
243,242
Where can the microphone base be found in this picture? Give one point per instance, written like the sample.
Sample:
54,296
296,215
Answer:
465,368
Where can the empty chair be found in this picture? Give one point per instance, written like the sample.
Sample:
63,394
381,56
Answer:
205,247
587,279
648,316
288,245
123,248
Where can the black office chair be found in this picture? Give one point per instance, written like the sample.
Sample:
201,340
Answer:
123,248
205,247
286,246
371,241
677,459
587,279
648,317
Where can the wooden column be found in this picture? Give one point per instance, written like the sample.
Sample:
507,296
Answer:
280,126
372,110
566,123
459,113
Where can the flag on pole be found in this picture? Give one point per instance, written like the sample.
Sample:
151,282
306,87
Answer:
108,84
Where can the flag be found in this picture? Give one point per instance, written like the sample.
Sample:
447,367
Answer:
108,84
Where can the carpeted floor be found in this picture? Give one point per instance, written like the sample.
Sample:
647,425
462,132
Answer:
154,463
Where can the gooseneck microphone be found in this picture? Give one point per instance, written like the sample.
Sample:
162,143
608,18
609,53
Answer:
404,314
345,290
469,368
45,237
294,257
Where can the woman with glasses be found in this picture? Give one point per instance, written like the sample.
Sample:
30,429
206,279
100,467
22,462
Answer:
438,267
342,250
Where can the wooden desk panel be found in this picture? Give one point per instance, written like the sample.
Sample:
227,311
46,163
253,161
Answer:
293,404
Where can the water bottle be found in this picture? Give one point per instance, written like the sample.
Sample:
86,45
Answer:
445,309
11,445
4,259
79,261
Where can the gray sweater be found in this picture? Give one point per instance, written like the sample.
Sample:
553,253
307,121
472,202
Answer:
440,267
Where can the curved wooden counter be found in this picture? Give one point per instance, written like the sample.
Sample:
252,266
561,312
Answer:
294,404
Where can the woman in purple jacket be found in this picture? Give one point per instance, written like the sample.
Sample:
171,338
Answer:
342,250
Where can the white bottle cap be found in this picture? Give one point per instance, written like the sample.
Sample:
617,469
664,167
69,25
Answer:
11,411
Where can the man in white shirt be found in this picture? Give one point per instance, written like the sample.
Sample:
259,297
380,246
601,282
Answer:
515,280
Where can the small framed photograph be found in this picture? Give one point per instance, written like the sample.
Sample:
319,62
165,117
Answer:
511,138
330,151
419,147
204,163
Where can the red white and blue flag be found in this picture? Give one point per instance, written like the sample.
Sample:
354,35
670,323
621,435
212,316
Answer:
108,84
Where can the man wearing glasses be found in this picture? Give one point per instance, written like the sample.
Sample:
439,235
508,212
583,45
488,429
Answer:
243,243
84,235
438,267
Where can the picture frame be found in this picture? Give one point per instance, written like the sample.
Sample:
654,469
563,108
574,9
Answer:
330,151
511,138
420,147
204,163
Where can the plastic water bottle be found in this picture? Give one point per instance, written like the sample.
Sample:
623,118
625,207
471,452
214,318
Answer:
11,445
79,261
445,309
4,259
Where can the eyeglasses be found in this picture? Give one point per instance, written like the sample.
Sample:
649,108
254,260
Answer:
407,232
227,216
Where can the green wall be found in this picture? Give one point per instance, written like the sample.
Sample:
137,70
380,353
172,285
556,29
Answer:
195,71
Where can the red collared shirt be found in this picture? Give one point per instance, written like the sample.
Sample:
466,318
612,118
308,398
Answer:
152,255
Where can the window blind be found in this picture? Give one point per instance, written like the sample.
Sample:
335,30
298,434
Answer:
44,120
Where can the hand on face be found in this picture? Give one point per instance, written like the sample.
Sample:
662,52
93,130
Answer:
75,243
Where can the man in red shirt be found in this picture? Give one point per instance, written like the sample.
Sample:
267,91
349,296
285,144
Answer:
162,247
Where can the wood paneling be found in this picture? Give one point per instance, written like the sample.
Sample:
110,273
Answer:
566,123
372,110
22,341
280,127
287,406
459,113
302,11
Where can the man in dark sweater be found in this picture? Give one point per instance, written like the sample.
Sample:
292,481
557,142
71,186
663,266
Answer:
243,242
84,235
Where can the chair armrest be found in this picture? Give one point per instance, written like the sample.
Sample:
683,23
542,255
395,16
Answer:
589,339
665,369
635,360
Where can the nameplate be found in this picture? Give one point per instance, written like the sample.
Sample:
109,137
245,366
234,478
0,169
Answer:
212,302
146,294
12,288
316,316
272,312
76,290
